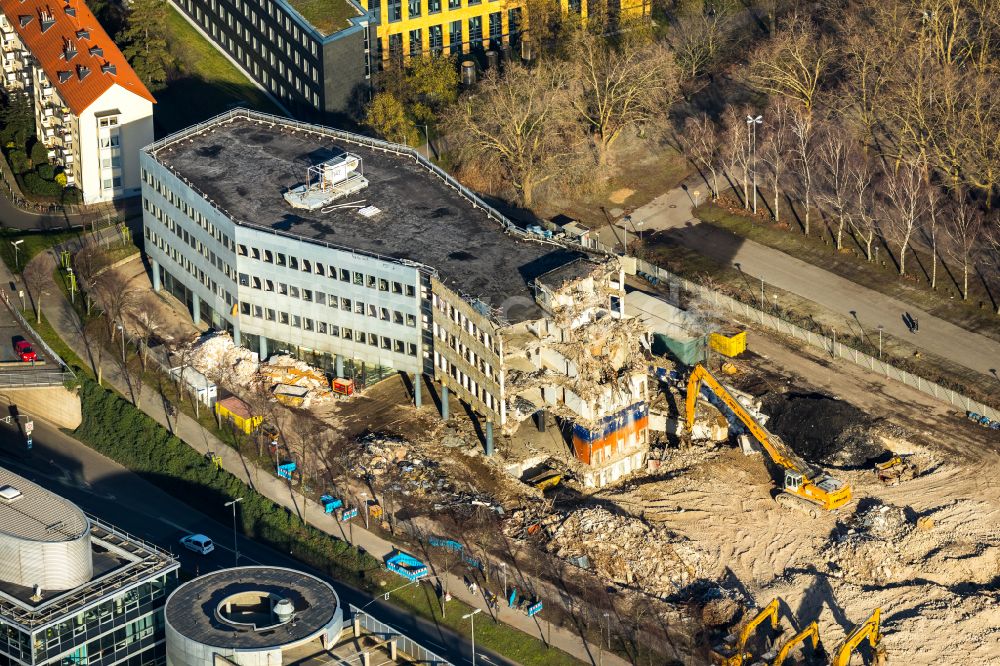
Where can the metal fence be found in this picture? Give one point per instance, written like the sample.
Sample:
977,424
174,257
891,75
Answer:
721,302
415,652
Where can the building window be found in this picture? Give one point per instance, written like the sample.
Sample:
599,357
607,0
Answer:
476,31
496,29
395,10
416,48
413,7
433,6
454,4
455,37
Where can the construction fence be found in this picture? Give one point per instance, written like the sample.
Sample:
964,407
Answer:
722,303
416,652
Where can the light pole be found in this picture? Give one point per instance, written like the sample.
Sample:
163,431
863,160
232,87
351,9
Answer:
471,617
122,330
762,293
236,543
752,123
364,499
607,619
833,348
427,135
16,245
880,342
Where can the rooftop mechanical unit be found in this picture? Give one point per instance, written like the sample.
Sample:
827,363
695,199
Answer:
326,182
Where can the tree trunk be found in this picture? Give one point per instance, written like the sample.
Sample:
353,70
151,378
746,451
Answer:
965,281
38,312
902,256
527,192
840,232
746,191
777,193
100,374
806,215
715,183
934,263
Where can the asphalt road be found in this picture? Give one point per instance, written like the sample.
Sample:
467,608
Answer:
100,486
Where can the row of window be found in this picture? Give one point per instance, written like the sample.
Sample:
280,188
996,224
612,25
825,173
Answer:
189,266
456,39
333,330
190,240
414,8
466,353
322,298
469,326
294,263
188,210
466,382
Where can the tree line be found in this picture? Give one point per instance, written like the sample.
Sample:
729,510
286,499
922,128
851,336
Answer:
884,116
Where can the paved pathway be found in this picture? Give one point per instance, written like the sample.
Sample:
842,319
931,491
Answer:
65,322
671,212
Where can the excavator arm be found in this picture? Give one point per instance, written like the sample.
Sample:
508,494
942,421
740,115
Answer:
869,630
800,480
811,632
734,655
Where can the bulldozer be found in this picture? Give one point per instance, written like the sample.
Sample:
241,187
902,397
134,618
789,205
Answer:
803,487
734,651
869,630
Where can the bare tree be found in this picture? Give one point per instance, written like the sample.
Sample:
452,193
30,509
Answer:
864,206
620,87
793,63
701,142
839,161
776,146
905,205
935,209
37,275
964,233
699,41
735,153
804,156
518,125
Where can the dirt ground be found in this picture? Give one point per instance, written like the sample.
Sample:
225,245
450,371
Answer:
170,315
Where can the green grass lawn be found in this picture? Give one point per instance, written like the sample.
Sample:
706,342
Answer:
202,82
327,16
33,244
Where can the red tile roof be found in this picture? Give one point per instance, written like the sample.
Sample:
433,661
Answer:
77,56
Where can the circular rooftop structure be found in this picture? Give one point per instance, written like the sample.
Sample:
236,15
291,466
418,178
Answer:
44,539
249,615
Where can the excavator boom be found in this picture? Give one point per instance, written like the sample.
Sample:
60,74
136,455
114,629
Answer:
811,632
869,630
800,479
734,655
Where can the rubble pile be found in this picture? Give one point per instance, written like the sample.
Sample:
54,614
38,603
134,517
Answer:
216,357
871,547
824,430
623,550
281,370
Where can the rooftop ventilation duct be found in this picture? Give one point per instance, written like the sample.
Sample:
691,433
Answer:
284,610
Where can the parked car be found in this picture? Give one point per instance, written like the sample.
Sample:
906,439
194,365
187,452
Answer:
24,351
199,543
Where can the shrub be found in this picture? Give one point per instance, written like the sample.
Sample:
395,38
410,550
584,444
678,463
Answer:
61,179
19,161
39,153
43,188
46,171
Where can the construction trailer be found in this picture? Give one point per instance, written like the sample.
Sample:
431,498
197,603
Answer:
239,413
675,332
196,383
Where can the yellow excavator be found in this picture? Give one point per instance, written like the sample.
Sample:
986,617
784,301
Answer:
811,633
804,487
868,630
734,651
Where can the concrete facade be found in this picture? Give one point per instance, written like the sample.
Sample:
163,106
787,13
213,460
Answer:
55,404
306,71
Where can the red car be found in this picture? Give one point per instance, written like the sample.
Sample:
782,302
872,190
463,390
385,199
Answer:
24,351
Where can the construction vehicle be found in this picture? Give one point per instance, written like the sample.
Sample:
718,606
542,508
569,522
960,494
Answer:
894,470
811,633
804,487
734,652
866,631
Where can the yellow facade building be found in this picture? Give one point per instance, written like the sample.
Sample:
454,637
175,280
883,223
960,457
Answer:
412,28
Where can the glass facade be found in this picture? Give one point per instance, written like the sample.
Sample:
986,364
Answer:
126,628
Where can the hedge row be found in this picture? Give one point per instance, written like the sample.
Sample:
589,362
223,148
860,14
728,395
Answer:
115,428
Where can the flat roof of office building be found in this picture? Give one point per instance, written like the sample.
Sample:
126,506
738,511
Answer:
31,513
243,162
193,608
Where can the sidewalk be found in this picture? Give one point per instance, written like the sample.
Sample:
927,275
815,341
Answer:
65,322
671,212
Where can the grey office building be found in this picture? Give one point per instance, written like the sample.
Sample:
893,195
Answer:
312,72
383,260
73,589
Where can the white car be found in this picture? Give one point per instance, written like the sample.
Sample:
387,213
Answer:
199,543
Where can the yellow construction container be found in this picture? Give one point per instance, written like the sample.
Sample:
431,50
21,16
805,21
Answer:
238,412
728,345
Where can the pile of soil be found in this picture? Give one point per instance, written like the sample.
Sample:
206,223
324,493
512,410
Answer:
823,429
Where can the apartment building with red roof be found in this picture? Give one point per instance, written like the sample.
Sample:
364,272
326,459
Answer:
91,110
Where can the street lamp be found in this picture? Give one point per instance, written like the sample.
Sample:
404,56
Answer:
119,327
427,135
364,498
471,618
236,543
752,123
762,293
16,245
880,327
